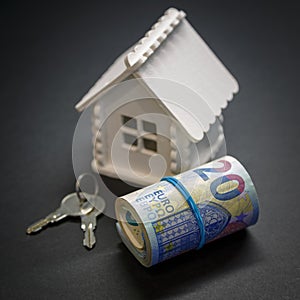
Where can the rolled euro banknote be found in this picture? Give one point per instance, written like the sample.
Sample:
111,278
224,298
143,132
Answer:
184,212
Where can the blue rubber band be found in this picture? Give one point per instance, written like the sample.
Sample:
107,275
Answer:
187,196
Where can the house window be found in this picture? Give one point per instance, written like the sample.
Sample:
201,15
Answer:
129,122
139,134
149,127
150,145
130,139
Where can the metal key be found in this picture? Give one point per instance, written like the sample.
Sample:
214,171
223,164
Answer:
89,221
71,205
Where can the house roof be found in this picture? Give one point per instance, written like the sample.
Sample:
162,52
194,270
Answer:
181,56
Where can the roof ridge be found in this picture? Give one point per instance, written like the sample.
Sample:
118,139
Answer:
153,38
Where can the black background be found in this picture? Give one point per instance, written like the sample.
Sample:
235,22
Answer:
51,53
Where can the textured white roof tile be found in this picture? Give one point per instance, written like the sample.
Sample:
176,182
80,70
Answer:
176,53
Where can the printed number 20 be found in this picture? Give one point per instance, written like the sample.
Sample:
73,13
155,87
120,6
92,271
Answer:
201,172
219,181
230,194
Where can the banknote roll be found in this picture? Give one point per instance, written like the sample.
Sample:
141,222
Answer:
184,212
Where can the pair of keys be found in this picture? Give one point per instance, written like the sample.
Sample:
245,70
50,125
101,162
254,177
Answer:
88,208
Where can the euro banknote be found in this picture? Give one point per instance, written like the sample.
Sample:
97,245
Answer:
184,212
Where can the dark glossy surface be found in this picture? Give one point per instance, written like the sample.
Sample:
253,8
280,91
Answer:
50,55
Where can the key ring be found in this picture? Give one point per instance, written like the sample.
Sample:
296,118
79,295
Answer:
79,192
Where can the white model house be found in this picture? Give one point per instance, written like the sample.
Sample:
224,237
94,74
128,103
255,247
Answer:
181,90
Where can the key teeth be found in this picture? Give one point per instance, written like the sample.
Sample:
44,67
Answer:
37,226
89,240
29,230
89,246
